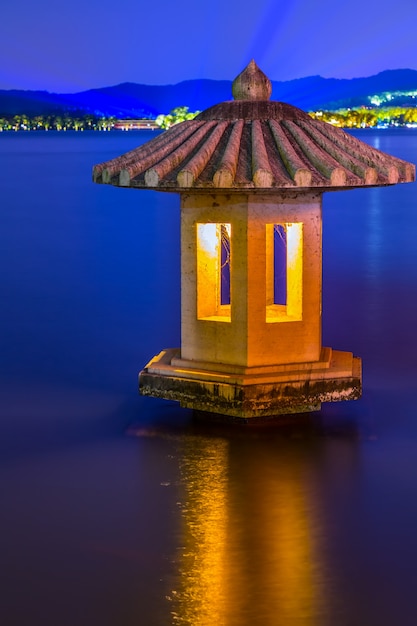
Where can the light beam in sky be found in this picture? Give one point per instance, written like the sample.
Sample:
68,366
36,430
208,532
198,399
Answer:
96,44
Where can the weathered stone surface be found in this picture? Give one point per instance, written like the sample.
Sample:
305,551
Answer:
252,396
251,84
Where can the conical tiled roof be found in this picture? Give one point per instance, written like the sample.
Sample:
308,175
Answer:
252,142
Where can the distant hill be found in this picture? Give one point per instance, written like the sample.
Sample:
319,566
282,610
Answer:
135,100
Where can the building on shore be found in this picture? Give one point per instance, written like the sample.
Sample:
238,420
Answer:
144,124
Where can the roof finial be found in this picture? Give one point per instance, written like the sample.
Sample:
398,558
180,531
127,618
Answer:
251,84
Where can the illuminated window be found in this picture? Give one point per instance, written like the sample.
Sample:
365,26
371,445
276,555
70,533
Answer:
284,272
213,272
224,264
280,265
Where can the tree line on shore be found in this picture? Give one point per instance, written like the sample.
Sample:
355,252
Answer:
363,117
84,121
61,121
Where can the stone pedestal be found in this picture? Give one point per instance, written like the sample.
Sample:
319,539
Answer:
253,392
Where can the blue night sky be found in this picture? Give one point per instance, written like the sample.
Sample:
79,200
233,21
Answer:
95,43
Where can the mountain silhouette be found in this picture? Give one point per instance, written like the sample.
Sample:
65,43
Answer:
136,100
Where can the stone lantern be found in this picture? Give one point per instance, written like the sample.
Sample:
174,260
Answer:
251,173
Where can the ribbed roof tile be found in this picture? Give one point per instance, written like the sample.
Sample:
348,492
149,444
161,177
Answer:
253,143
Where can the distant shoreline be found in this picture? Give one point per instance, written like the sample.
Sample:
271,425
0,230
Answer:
124,130
37,123
375,116
74,130
80,130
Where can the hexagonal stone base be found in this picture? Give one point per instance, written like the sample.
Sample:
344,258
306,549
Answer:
253,392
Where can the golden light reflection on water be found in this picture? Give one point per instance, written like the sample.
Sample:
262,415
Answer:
201,597
248,553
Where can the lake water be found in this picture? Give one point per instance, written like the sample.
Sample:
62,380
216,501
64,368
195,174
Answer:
118,510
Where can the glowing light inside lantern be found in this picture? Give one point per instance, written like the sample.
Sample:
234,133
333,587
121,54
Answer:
284,272
213,272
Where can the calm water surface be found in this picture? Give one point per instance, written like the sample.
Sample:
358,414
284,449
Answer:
120,510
